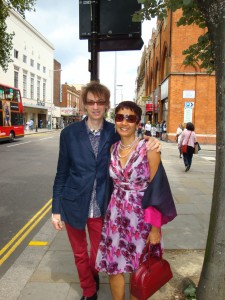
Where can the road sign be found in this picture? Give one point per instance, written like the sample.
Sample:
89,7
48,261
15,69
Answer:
189,105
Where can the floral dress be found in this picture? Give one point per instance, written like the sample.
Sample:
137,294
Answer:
124,231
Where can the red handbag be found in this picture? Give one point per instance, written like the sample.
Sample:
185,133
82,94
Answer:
184,148
151,275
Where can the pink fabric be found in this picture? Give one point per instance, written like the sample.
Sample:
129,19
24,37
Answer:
185,136
153,216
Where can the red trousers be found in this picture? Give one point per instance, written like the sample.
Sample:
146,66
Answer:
86,264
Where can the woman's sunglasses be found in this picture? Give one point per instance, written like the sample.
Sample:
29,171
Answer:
129,118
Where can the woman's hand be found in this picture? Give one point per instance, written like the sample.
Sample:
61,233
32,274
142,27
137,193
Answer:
56,221
153,143
154,236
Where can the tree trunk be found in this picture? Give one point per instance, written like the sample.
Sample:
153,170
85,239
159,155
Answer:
212,280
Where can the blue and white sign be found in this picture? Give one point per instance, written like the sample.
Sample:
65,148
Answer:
189,105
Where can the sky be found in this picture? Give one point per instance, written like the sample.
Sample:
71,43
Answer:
58,21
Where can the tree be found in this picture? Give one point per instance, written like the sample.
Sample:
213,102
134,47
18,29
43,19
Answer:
211,49
6,39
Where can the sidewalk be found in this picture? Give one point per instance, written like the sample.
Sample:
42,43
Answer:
48,272
39,130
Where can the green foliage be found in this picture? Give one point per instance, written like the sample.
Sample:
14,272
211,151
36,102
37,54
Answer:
6,39
190,292
151,9
200,52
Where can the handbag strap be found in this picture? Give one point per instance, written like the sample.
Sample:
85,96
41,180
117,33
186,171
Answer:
147,250
189,137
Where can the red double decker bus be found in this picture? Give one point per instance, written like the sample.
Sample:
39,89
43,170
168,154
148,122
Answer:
11,114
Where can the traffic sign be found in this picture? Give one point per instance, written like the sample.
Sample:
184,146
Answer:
189,105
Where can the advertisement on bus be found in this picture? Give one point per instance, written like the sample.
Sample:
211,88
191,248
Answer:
11,114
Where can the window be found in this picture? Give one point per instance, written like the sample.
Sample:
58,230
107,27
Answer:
25,59
16,53
38,66
44,90
24,85
16,78
38,88
32,62
44,69
32,87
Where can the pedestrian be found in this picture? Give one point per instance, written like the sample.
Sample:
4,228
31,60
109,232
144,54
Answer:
80,183
31,124
158,130
128,227
164,130
178,136
188,137
139,130
148,128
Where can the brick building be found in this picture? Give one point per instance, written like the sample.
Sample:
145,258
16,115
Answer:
174,92
70,105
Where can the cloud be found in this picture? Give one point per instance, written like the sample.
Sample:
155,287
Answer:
58,21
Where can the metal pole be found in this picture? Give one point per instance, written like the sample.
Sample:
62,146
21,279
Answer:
94,40
115,77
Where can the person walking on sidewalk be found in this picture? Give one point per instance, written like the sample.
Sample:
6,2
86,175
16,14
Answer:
188,137
128,227
80,182
178,137
148,128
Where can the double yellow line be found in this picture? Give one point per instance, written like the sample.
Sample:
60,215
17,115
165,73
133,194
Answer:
11,246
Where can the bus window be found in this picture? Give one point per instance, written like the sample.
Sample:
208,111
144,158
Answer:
9,92
1,93
16,96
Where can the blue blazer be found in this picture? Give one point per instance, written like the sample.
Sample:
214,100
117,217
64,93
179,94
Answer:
76,171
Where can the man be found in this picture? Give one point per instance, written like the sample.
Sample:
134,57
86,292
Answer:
80,182
148,128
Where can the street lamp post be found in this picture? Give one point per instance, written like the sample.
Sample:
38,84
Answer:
52,93
121,91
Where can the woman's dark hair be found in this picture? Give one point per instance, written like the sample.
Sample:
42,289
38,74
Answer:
132,106
190,126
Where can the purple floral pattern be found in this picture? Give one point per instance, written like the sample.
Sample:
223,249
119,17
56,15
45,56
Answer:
124,231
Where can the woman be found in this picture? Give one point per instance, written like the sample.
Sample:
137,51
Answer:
188,137
178,137
127,226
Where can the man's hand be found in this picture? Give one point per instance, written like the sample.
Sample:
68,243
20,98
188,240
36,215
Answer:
56,221
153,143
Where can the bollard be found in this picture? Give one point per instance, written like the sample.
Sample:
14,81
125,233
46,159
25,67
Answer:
36,129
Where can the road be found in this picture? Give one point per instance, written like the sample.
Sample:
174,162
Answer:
27,169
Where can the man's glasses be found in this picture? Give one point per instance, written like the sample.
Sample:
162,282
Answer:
100,102
129,118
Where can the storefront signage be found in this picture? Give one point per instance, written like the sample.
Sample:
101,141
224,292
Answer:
68,111
189,94
164,89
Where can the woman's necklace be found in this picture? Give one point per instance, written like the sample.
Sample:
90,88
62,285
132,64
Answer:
122,146
126,147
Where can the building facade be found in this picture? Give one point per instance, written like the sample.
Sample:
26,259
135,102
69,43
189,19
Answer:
31,70
71,104
175,92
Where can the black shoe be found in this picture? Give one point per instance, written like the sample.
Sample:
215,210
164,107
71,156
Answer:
96,278
94,297
187,169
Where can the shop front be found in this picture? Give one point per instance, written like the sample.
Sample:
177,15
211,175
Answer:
39,115
69,115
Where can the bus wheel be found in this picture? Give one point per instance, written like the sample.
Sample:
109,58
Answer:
11,136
